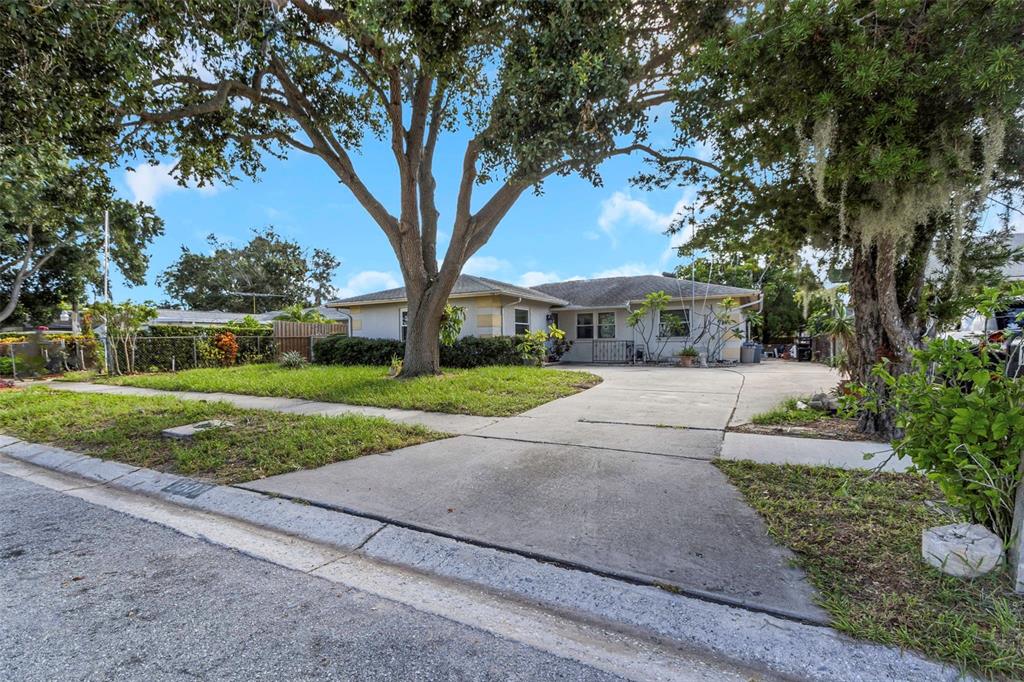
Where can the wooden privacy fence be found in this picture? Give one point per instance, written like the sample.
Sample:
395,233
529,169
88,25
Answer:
299,336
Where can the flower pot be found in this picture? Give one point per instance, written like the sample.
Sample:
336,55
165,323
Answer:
686,360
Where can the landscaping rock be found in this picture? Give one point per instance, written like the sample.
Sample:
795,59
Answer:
187,431
966,550
824,402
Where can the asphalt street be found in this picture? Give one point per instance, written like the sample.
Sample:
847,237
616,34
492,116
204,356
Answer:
89,593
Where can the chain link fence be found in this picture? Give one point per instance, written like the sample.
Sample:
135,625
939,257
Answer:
22,359
25,359
175,353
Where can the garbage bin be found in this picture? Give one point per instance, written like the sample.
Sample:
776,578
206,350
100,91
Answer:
747,353
758,351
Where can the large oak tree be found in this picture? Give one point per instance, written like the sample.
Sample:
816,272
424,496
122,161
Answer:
533,87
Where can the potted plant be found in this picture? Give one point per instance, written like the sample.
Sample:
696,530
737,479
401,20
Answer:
687,356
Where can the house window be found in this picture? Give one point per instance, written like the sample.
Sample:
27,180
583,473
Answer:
522,321
553,317
584,325
606,325
404,324
674,323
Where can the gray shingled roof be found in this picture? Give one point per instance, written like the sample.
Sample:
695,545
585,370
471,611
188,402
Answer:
214,317
616,291
466,284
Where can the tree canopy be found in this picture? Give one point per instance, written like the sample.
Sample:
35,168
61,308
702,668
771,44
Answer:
51,233
878,132
538,88
273,268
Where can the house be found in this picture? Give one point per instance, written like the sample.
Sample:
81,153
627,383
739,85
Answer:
212,318
592,312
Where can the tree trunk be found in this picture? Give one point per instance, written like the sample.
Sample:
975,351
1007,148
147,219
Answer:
883,327
423,327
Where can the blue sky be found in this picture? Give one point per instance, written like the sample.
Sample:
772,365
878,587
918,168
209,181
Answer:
572,230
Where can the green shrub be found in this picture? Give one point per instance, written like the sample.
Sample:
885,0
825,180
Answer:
465,353
476,351
6,367
963,425
349,350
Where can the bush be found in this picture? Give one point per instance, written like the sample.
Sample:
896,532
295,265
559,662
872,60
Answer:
476,351
962,421
348,350
465,353
292,360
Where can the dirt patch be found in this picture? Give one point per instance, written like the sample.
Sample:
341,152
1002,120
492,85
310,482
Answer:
832,428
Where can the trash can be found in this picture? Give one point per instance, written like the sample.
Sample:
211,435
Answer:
747,353
758,352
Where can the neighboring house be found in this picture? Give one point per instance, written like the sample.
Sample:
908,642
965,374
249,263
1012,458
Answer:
593,313
171,316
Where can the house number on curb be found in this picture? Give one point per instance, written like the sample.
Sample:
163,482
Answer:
189,489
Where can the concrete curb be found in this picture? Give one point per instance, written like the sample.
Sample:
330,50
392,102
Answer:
758,640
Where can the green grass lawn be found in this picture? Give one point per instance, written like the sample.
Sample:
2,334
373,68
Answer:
487,391
127,429
789,414
858,536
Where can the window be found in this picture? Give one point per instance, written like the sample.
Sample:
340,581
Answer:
522,321
584,325
606,325
404,324
675,323
553,319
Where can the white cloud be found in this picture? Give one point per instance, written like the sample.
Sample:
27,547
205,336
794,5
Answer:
621,211
367,281
485,265
627,270
535,277
147,182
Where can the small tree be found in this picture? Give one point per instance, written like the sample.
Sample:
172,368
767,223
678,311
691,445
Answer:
649,322
123,322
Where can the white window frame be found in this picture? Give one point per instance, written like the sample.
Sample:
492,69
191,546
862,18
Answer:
516,324
600,325
403,324
686,320
585,326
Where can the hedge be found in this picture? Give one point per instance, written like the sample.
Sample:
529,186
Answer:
465,353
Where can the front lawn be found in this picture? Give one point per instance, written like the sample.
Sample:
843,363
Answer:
127,429
858,537
488,391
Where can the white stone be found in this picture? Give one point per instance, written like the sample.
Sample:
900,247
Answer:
188,430
966,550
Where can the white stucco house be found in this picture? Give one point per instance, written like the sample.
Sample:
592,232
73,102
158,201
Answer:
592,312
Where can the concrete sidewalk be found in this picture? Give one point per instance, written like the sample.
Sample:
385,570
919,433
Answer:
670,636
769,449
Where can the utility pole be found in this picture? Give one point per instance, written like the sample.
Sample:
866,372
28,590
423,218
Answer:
106,255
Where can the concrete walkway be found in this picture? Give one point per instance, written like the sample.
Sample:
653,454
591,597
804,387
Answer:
811,451
616,479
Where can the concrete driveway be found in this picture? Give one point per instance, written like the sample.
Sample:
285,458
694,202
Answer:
616,479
